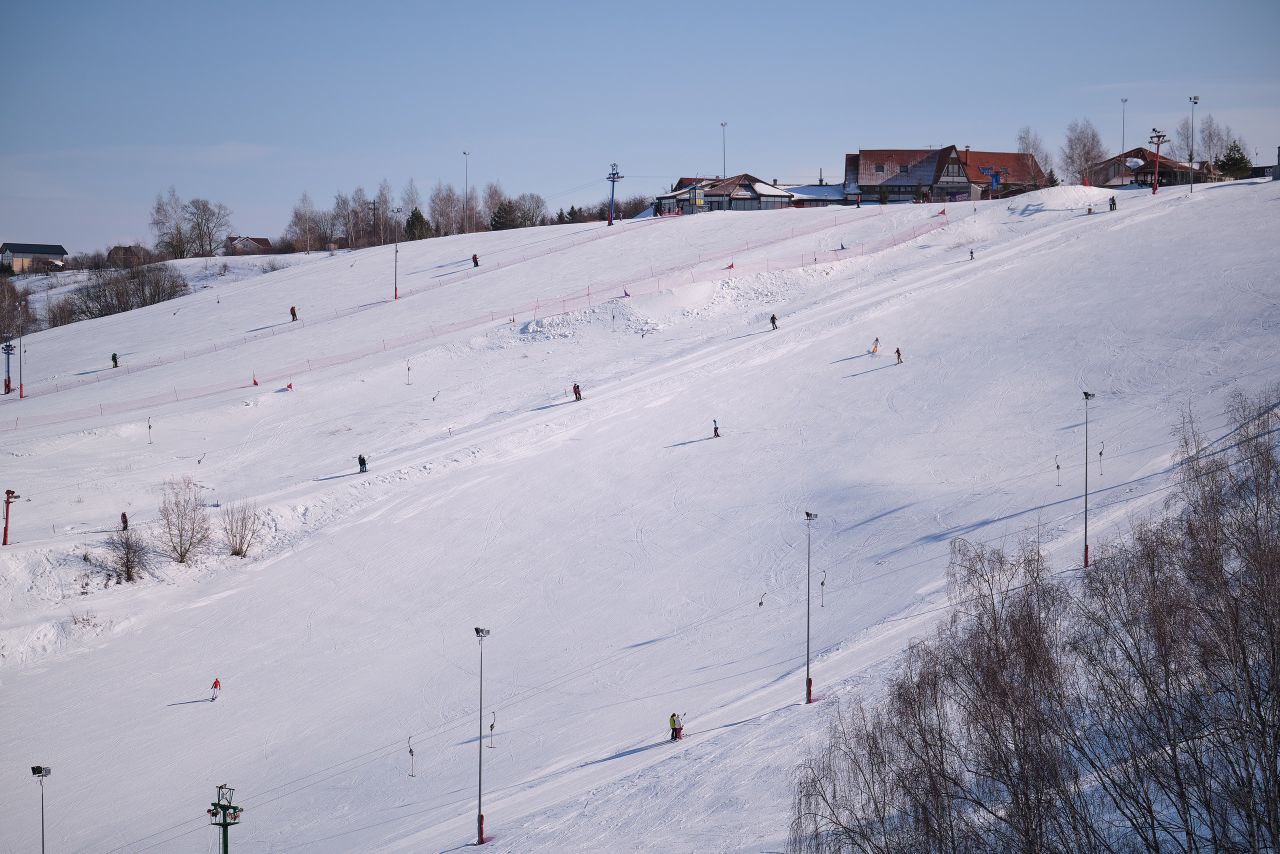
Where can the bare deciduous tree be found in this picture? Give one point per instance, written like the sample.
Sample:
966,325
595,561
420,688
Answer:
1029,142
169,225
1083,148
208,224
241,525
184,522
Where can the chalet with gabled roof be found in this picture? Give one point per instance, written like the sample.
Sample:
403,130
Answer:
740,193
907,174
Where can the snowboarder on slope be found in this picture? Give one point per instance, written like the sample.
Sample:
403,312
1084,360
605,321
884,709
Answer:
475,260
293,313
115,360
715,429
577,392
875,346
897,351
124,521
364,464
773,318
217,686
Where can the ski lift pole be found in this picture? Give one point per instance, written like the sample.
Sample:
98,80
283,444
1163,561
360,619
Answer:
9,497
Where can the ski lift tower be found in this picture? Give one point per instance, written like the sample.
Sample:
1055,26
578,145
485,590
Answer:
224,814
613,178
1157,139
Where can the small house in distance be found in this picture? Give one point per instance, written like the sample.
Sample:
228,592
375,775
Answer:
125,257
238,245
31,257
740,193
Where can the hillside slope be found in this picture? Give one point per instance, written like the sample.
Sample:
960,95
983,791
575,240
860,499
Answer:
628,564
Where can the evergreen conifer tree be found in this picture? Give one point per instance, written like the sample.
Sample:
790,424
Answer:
417,227
1235,163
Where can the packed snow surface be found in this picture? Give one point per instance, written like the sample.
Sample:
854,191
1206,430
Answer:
628,564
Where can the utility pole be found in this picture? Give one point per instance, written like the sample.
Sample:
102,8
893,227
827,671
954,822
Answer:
723,161
613,178
395,275
7,348
9,497
224,814
1088,396
481,634
1191,155
808,600
1157,139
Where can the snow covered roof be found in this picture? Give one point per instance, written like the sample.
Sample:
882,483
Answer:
817,191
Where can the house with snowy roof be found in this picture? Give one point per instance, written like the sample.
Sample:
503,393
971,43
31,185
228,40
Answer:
944,174
1138,166
739,193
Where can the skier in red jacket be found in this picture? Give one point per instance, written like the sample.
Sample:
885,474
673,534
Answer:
217,686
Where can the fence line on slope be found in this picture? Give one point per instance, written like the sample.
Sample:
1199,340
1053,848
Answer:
539,309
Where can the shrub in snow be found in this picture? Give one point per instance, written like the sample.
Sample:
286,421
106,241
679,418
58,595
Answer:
241,524
128,555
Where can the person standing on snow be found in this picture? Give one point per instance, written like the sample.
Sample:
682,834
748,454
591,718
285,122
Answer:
364,464
217,686
897,351
715,429
970,254
875,346
293,313
475,260
115,360
1113,203
577,392
675,726
773,318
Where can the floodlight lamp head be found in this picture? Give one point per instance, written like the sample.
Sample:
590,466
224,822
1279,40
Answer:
1088,395
1195,99
809,517
40,770
481,633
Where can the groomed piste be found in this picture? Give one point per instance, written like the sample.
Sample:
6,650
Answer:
628,563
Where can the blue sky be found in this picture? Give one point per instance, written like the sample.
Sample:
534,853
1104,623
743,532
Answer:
251,104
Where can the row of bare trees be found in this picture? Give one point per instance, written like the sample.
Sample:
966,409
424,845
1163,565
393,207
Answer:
185,531
1132,706
113,291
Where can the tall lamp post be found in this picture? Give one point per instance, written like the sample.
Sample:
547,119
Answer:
1191,155
1124,102
395,274
40,772
481,634
466,191
808,600
1088,396
723,161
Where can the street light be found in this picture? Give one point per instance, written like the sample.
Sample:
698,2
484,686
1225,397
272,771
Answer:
1088,396
1191,155
724,173
40,772
466,191
808,599
395,275
1123,103
481,634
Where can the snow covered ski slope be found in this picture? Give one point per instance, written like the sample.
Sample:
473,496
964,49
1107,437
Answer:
628,564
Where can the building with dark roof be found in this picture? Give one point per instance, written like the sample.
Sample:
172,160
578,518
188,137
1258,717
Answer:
1125,168
31,257
237,245
740,193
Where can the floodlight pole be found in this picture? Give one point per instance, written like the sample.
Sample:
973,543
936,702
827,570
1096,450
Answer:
1124,102
1087,397
395,275
808,601
723,160
481,634
1191,155
466,191
41,814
